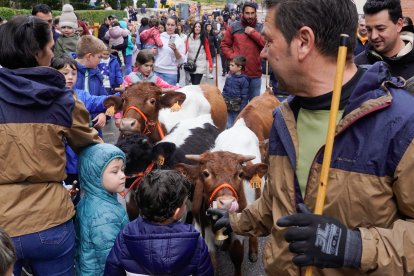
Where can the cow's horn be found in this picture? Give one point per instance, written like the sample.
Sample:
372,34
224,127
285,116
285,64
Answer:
194,157
245,158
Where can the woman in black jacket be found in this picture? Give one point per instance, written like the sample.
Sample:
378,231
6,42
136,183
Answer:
212,41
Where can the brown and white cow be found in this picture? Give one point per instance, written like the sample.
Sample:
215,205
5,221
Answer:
142,102
200,100
147,109
219,176
258,117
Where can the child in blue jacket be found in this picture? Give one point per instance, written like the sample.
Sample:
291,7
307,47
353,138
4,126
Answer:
156,243
236,89
111,72
88,55
99,217
94,104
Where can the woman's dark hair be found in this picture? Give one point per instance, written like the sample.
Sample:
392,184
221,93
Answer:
328,19
145,56
160,193
21,38
393,7
205,28
202,32
61,61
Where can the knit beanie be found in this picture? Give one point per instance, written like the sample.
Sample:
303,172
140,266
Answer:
68,17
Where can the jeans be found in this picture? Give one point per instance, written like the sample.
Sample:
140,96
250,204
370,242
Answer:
48,252
128,65
169,78
231,117
196,78
254,88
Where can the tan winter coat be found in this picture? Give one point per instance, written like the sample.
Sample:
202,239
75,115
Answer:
370,187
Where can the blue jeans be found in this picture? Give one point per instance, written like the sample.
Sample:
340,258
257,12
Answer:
231,117
254,88
169,78
48,252
128,65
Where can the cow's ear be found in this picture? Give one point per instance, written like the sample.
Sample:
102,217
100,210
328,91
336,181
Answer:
165,149
114,101
170,98
252,169
189,171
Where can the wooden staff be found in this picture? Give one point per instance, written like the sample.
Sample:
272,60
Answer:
216,70
267,74
336,96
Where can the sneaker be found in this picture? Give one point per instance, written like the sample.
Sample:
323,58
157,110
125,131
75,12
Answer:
210,76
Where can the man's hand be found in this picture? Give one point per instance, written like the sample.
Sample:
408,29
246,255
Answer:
99,121
248,30
321,241
222,220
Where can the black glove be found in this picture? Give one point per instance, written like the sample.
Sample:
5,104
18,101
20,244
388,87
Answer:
321,241
222,221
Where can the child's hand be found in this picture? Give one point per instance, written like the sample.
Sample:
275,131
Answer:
99,121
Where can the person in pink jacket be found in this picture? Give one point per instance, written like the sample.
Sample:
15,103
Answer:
117,38
144,72
150,38
115,35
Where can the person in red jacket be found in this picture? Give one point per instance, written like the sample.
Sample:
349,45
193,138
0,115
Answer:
243,38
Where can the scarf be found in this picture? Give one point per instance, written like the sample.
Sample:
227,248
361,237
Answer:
245,23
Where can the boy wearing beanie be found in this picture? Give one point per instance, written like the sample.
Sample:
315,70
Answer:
68,23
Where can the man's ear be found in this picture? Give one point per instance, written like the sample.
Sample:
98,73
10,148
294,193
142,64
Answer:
399,24
305,42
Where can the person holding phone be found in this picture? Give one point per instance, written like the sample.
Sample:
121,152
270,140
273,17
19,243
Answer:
171,54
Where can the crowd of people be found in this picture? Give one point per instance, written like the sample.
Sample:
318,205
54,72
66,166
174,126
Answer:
59,181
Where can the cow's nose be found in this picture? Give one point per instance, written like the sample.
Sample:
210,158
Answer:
129,124
228,203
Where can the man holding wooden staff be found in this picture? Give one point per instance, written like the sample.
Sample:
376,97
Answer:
367,225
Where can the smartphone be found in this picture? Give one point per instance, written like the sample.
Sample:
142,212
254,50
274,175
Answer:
172,39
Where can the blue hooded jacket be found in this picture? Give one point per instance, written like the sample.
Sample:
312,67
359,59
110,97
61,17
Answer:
100,217
96,87
156,249
237,86
94,104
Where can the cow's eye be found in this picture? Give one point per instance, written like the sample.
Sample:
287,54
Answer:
241,174
206,173
152,101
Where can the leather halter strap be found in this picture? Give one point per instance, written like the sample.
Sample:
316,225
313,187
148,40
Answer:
221,187
148,123
139,176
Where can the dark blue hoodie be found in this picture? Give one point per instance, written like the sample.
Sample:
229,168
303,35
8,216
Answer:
154,249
